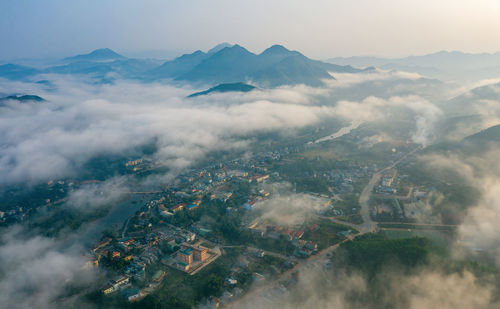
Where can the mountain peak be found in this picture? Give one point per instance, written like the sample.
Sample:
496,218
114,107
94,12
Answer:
276,49
98,54
219,47
233,50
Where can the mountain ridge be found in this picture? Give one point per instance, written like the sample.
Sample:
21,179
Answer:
232,87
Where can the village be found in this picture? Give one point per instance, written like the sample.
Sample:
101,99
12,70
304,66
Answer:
173,229
206,214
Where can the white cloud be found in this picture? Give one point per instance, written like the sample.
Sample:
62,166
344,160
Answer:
36,271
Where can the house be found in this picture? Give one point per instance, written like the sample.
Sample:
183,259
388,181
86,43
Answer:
178,207
249,205
91,262
158,276
120,282
132,294
166,213
298,234
108,289
127,241
231,281
258,178
102,244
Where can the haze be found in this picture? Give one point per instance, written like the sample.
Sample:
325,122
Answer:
320,29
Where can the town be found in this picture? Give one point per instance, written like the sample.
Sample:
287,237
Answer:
211,213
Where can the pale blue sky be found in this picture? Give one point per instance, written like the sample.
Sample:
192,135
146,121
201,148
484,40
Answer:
319,28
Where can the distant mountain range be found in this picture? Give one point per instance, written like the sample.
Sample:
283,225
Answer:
223,64
276,66
443,64
233,87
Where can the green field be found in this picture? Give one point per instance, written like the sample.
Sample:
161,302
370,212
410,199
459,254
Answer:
439,238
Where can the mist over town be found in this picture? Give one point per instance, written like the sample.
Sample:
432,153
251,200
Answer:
232,154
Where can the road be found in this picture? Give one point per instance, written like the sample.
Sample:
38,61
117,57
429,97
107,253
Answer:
364,199
367,226
310,262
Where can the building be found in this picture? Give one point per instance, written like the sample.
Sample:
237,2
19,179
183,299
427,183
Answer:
102,244
200,254
108,290
178,207
259,178
186,255
132,294
158,276
183,266
133,163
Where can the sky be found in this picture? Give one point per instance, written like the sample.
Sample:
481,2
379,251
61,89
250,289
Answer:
318,28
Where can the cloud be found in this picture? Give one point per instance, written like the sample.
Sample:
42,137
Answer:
426,288
345,80
435,289
91,196
479,231
83,119
36,271
377,109
80,121
287,208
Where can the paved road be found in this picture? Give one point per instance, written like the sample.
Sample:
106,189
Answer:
364,199
335,220
366,227
308,263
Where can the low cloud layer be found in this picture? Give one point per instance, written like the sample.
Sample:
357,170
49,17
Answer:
36,272
425,289
479,232
376,109
82,119
92,196
53,139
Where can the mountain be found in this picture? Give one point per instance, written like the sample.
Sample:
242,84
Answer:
22,98
103,54
442,64
292,70
468,103
275,66
234,87
178,66
230,64
125,68
475,144
223,64
483,139
219,47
